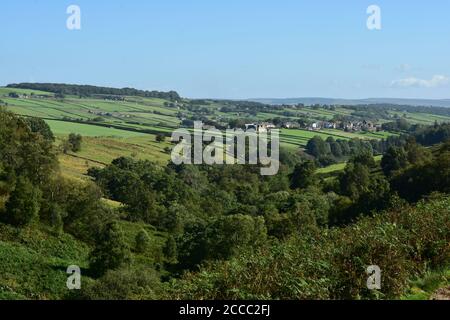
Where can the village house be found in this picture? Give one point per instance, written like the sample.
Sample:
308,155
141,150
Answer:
291,125
315,126
260,127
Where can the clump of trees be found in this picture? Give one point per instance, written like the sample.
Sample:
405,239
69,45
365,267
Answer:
72,143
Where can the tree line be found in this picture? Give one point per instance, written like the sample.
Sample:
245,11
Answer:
87,90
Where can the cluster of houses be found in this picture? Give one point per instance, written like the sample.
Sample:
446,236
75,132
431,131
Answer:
345,125
351,126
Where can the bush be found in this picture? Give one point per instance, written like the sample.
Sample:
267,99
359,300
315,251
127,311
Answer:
75,141
125,284
142,241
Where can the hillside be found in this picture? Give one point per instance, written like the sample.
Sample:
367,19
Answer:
373,101
140,227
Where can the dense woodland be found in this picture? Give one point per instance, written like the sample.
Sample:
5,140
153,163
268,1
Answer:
227,232
331,150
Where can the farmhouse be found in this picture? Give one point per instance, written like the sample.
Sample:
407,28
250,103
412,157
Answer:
260,127
290,125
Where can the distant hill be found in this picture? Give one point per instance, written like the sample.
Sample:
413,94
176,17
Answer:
331,101
87,90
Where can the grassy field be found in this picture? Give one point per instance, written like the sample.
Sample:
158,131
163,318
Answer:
65,128
100,151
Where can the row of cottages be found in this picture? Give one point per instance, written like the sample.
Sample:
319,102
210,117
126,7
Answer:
260,127
347,126
361,126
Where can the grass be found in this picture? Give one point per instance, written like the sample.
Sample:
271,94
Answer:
5,91
34,263
65,128
425,287
340,166
100,151
153,254
333,168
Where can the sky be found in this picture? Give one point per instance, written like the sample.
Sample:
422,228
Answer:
233,49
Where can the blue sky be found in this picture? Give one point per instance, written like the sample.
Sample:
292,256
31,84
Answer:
233,48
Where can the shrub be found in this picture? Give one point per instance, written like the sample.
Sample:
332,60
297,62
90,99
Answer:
142,241
332,264
125,284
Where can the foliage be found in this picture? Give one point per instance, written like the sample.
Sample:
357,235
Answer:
23,205
110,252
332,265
125,284
142,241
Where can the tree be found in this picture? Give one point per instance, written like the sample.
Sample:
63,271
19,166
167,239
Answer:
41,127
142,241
66,146
355,180
23,205
336,149
364,158
229,234
394,159
57,215
160,137
75,141
170,250
111,250
303,175
317,147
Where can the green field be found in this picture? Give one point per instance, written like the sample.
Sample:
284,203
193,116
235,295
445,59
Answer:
100,151
64,128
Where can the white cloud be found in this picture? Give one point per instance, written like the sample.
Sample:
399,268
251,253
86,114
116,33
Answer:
435,81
